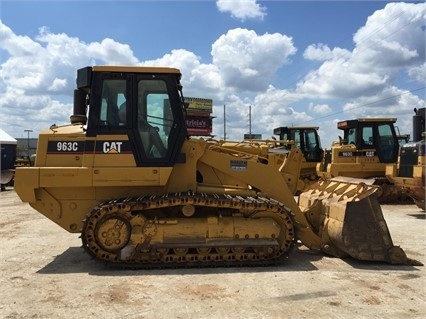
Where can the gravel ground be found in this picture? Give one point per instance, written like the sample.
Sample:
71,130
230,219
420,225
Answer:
46,274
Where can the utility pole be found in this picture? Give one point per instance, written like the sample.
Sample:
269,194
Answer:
28,142
224,122
250,120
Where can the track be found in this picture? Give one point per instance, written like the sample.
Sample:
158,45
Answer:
391,194
188,230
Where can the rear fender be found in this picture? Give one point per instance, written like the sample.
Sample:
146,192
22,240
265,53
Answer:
26,182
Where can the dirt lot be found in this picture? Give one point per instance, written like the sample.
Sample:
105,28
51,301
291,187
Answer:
45,274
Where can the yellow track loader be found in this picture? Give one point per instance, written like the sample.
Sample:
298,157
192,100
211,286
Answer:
409,173
125,175
305,138
367,146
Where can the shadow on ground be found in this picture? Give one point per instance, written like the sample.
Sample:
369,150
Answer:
75,260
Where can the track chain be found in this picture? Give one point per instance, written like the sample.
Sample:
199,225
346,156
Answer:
108,233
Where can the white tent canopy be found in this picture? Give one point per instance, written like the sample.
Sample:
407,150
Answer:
6,138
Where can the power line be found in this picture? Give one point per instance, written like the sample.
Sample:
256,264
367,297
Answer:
366,104
362,40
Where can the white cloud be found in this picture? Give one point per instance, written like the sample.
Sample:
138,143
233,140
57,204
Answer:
392,38
196,76
57,85
338,79
321,52
17,45
248,61
388,103
418,73
242,9
391,42
111,52
322,109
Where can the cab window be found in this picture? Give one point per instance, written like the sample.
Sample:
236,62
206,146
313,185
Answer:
351,136
155,117
367,137
113,96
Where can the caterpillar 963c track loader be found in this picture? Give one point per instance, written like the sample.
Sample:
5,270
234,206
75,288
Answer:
367,146
144,194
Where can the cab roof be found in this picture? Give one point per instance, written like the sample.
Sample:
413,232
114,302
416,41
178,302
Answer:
355,122
285,129
134,69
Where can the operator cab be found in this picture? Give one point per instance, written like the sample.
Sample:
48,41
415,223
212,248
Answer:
305,138
144,103
377,135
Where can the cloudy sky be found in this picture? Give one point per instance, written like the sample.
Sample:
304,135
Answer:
289,62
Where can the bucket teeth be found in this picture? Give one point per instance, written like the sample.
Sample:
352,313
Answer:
350,222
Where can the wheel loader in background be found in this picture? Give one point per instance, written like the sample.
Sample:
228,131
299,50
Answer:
367,146
143,194
409,172
306,139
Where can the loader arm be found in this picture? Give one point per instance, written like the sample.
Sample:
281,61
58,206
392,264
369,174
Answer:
269,184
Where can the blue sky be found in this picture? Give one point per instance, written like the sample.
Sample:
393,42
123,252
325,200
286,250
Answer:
293,62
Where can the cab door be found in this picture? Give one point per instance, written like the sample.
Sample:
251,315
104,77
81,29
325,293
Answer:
157,120
386,143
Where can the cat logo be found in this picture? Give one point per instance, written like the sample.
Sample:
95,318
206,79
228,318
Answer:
112,147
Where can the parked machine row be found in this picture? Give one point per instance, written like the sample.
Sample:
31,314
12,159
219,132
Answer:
368,152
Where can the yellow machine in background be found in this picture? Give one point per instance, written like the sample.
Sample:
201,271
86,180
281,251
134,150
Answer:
306,139
125,175
367,146
409,172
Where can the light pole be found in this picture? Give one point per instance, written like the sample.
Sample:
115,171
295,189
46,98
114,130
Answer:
28,142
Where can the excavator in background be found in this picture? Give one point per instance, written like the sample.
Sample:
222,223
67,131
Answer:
143,194
306,139
367,146
409,172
